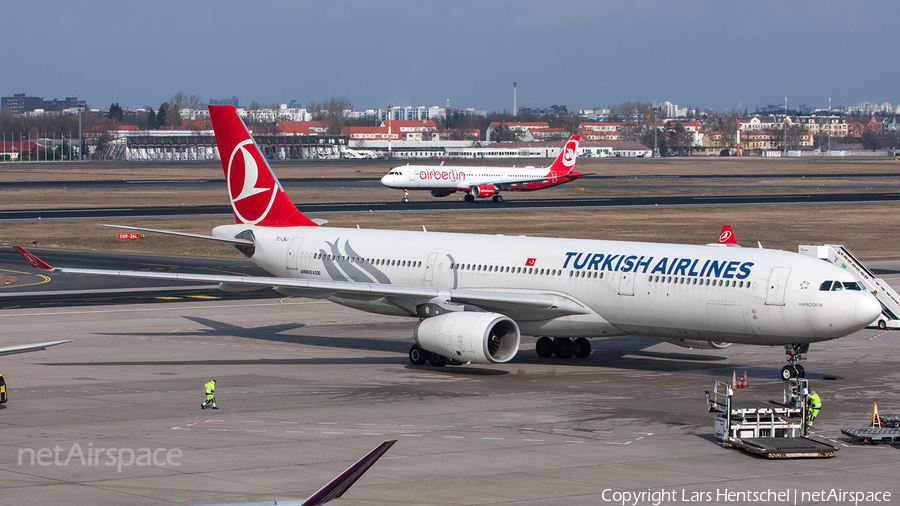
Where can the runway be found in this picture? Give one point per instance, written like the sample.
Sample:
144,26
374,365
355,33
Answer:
439,205
306,387
369,182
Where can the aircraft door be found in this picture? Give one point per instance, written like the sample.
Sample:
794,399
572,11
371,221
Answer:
626,284
777,286
293,252
429,267
412,174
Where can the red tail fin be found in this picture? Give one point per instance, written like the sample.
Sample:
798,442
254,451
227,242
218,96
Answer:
727,236
567,159
257,197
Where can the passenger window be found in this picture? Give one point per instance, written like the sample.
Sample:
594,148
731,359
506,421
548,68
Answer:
824,287
837,287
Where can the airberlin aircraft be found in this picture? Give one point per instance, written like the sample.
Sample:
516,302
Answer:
474,295
484,182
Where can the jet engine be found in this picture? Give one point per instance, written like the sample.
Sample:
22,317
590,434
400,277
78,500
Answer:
483,191
441,193
481,338
695,344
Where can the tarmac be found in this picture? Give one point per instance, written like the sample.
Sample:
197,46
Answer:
307,387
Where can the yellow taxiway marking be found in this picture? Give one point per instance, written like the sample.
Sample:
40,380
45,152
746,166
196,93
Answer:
46,279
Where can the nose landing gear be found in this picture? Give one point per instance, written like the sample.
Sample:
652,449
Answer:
794,354
405,195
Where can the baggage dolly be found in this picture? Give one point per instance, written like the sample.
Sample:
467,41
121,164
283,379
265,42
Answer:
771,429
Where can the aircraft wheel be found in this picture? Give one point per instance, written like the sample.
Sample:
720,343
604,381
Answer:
405,199
801,372
882,325
437,360
498,198
896,424
564,348
470,197
787,372
417,356
544,347
582,348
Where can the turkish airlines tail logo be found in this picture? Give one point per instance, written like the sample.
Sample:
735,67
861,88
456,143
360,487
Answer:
568,158
727,236
256,196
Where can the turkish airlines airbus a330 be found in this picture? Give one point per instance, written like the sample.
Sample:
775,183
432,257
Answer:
484,182
474,295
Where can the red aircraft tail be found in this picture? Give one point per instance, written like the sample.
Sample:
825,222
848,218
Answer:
726,237
565,162
257,197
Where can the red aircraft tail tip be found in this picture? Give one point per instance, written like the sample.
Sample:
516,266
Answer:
35,262
257,197
727,236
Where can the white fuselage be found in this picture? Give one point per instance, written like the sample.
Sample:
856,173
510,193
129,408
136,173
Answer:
422,177
669,291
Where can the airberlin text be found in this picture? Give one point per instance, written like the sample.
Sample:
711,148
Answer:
727,269
442,175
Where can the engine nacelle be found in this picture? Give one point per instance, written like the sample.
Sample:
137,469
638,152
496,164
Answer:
483,191
481,338
695,344
441,193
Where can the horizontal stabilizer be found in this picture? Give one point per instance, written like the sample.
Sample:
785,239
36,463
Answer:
24,348
226,240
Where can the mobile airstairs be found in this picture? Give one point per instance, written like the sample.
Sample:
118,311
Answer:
841,256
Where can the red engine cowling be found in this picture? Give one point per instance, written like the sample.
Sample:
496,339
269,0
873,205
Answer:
441,193
483,191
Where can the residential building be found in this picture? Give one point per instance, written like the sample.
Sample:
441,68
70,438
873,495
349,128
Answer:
412,130
370,134
859,126
20,104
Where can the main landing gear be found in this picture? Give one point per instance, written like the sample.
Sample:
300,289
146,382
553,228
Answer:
418,356
471,198
563,347
794,353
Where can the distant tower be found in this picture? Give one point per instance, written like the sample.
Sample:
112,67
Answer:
515,109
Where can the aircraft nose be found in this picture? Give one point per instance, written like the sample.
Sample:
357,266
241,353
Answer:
867,308
385,180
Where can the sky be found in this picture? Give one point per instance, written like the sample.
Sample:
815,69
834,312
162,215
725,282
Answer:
578,53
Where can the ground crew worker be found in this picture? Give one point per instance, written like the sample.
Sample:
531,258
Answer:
814,404
210,394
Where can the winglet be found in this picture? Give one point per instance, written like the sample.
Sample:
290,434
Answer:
336,487
35,262
726,237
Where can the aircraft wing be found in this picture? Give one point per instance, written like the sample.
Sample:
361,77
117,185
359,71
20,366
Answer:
515,304
24,348
334,488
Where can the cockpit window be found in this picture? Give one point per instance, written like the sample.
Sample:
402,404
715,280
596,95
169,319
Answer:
837,286
824,287
852,285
